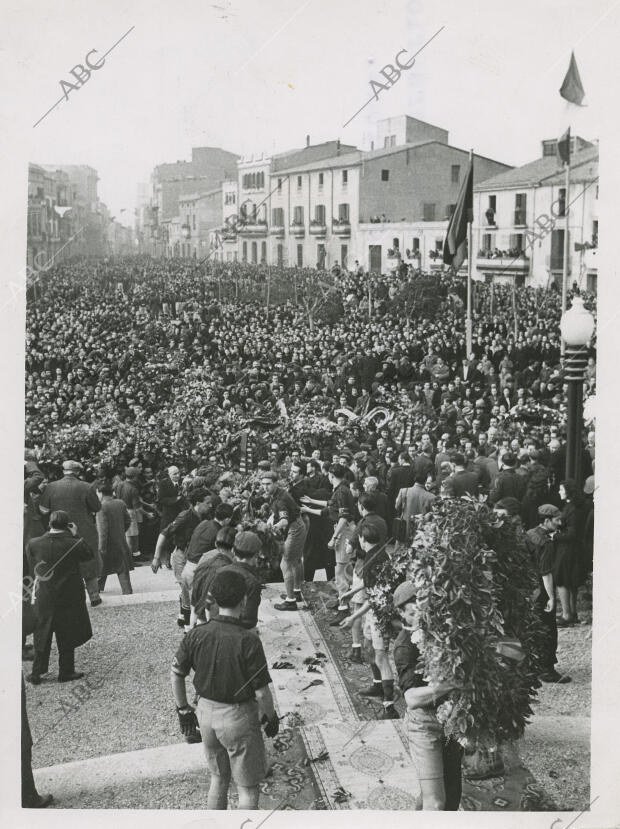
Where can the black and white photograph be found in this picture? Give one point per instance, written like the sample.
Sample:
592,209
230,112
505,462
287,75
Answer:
306,357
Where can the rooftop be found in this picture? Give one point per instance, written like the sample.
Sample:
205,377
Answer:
547,170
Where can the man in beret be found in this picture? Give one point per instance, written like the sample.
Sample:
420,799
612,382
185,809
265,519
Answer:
541,546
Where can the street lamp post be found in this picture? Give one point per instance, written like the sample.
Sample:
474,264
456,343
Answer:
577,327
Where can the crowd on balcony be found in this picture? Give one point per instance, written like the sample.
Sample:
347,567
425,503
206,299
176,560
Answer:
496,253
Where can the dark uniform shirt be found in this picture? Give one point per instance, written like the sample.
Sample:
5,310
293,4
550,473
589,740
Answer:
542,551
181,529
203,577
228,661
374,559
406,656
283,505
249,617
341,504
203,539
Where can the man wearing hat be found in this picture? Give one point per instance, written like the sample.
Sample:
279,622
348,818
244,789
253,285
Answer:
231,679
540,544
436,759
80,502
508,483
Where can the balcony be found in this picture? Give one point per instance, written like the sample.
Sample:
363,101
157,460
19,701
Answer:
504,260
318,228
229,235
341,227
277,231
253,227
298,230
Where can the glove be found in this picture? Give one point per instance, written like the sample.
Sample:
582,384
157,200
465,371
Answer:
272,726
187,720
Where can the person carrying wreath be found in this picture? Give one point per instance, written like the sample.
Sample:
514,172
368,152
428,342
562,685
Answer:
436,758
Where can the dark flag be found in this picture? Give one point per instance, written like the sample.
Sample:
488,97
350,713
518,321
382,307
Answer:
564,147
455,244
572,89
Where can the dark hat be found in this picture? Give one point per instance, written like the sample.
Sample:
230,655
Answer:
404,593
548,511
509,459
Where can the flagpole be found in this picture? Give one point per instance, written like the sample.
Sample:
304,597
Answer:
468,326
566,242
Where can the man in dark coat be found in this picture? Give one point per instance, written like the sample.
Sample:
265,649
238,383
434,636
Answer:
60,605
77,498
113,520
508,484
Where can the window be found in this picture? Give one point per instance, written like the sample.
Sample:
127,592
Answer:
280,255
385,175
345,177
455,173
389,141
320,179
487,242
415,245
320,256
428,212
343,212
244,253
520,208
450,208
493,203
344,254
557,250
277,216
254,253
298,215
319,214
490,211
439,245
187,219
595,233
516,243
194,222
263,252
299,182
300,256
562,202
279,184
395,243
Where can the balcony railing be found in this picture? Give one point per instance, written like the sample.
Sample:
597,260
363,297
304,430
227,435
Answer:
277,230
341,227
253,227
317,228
298,230
506,260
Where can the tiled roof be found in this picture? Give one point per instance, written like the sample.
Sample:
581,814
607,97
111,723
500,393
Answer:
545,170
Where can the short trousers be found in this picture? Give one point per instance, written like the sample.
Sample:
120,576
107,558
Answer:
426,743
358,598
293,547
232,740
133,528
340,546
371,630
177,560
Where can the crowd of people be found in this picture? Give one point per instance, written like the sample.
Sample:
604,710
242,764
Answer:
238,443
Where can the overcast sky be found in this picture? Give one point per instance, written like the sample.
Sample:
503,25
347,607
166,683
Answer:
259,76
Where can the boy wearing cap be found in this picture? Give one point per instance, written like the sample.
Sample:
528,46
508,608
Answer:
246,548
231,679
375,555
436,759
540,544
285,517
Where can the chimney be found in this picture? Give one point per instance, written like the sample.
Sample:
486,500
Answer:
338,147
307,140
372,146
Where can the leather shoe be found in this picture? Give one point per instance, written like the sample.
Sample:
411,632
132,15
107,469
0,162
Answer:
555,678
389,713
71,677
42,802
33,679
285,606
96,602
356,655
374,690
562,622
